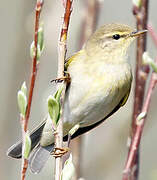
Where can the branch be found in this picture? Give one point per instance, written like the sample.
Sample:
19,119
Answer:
61,59
141,118
140,14
152,33
38,9
140,11
140,121
24,120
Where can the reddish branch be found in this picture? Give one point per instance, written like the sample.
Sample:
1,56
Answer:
152,33
24,121
61,60
139,128
140,123
68,10
141,15
141,71
34,70
24,169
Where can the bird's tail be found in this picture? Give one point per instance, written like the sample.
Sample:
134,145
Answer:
15,151
38,156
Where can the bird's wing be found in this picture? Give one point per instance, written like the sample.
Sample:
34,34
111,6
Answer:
73,58
83,130
16,150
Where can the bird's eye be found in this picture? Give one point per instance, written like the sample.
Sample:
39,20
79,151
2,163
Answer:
116,36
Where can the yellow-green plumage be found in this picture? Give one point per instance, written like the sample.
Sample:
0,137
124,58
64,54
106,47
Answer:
100,84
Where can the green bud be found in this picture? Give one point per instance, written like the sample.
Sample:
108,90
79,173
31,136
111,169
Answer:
140,117
27,146
22,102
24,88
32,51
58,94
40,43
68,169
148,60
137,3
154,66
53,109
41,37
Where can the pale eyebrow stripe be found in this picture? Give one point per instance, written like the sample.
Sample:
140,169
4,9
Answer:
109,35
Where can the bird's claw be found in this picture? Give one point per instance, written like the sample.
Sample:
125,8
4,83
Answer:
61,79
59,152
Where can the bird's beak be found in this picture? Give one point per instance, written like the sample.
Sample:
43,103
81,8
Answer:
138,33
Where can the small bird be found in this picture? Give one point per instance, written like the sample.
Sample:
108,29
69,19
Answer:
100,84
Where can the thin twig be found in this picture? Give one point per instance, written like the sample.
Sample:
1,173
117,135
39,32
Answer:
152,33
89,22
24,161
139,128
38,9
141,15
61,60
24,121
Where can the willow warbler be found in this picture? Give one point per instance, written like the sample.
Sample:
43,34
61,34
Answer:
100,84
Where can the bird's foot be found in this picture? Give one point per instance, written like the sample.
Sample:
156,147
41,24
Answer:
65,78
59,152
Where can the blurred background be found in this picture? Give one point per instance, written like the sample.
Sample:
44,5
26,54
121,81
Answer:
104,149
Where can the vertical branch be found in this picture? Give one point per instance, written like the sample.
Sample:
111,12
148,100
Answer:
140,12
152,33
61,59
89,22
38,9
140,121
141,15
24,120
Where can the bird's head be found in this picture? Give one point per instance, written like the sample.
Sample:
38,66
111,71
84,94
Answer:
111,40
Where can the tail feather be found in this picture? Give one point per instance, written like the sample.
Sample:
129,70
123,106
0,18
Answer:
39,157
15,151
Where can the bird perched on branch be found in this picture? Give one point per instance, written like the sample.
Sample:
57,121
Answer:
100,84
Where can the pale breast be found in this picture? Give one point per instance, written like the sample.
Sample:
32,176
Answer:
94,92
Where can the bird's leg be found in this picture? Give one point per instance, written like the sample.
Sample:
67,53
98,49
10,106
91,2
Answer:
58,152
66,78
